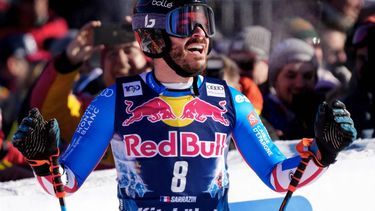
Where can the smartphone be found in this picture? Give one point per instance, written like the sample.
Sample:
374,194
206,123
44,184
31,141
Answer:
113,34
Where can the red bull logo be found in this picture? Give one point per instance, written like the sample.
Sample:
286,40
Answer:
158,109
199,110
185,144
154,110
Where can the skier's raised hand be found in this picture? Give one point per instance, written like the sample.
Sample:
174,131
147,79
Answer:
38,141
334,131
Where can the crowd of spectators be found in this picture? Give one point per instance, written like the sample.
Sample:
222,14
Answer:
47,60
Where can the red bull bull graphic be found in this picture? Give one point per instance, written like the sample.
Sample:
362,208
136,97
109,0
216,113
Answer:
154,110
185,144
199,110
159,109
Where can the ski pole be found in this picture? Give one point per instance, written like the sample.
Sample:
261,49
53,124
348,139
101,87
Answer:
57,183
294,182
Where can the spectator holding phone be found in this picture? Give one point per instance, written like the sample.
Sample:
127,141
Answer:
53,93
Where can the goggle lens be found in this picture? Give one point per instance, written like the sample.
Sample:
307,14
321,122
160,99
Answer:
182,22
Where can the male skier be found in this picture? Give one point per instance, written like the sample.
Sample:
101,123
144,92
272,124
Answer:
172,126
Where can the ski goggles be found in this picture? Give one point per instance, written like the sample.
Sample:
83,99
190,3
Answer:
181,22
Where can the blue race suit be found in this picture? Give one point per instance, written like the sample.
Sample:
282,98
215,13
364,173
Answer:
170,146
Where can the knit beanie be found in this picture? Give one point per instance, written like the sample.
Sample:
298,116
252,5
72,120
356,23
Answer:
253,39
300,28
288,51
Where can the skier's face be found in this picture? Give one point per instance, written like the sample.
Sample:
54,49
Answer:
191,53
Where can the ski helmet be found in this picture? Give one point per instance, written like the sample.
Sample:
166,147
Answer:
155,20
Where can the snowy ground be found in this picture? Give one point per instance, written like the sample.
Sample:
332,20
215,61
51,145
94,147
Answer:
346,186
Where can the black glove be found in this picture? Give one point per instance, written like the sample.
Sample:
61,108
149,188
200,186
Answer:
334,131
38,141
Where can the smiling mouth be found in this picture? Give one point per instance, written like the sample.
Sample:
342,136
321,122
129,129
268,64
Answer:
196,48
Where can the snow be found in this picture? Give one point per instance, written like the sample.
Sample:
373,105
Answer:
346,186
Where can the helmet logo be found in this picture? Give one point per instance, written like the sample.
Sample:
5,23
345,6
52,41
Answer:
149,23
162,3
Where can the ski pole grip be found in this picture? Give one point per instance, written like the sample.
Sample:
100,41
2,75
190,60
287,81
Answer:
298,174
56,177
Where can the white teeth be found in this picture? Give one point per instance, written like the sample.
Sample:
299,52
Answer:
198,47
